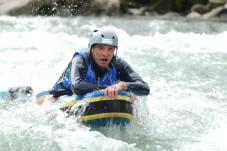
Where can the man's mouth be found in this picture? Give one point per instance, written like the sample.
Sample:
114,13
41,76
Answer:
104,60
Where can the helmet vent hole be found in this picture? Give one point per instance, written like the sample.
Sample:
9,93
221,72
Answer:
95,30
113,37
102,35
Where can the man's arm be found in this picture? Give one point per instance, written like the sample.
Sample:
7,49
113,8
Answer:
134,82
77,78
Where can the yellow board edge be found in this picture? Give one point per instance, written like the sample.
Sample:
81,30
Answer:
42,98
96,99
106,115
103,98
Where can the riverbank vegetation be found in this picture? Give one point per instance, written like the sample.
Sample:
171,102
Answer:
190,8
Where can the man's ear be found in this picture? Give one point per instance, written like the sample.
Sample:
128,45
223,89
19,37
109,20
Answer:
92,48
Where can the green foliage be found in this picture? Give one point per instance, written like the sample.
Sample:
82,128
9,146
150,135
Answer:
199,1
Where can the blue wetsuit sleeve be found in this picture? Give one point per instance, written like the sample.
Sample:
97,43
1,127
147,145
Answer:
135,83
77,76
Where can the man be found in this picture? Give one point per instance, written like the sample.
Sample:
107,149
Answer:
99,68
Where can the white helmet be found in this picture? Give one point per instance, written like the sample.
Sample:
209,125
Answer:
103,36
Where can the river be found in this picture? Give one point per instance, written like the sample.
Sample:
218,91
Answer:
184,62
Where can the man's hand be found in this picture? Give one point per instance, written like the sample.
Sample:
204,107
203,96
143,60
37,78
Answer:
112,91
133,97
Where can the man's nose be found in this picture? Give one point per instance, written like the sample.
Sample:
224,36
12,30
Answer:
105,52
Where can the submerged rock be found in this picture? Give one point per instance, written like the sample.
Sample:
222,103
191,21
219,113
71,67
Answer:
214,12
215,8
194,15
216,3
199,8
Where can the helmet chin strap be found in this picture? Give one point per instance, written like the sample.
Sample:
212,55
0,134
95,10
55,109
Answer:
90,53
115,55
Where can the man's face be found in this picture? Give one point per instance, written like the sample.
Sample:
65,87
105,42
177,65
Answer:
102,55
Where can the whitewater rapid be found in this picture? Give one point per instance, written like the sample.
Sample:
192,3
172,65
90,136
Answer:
183,61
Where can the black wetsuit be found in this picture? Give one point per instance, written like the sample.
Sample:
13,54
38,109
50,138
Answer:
124,73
